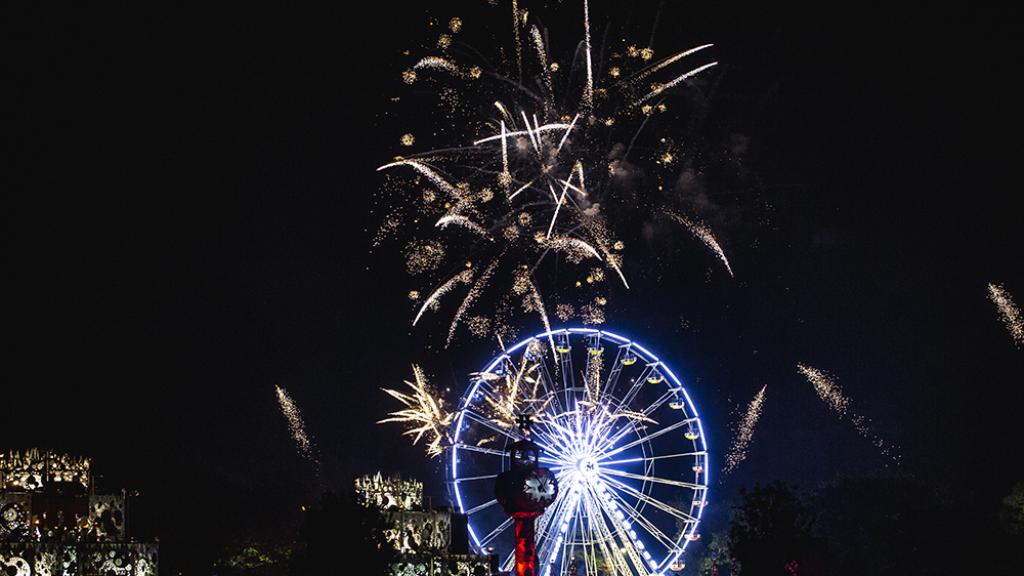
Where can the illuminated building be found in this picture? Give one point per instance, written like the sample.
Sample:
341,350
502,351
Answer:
429,542
52,523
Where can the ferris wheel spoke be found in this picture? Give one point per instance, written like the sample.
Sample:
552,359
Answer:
648,437
635,388
506,566
645,413
666,508
483,506
496,452
549,432
480,449
549,387
655,479
606,539
558,436
670,393
643,522
549,523
495,533
629,545
486,422
568,386
591,381
652,458
475,478
608,533
612,381
574,533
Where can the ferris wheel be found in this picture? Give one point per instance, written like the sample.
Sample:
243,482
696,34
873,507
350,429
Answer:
621,435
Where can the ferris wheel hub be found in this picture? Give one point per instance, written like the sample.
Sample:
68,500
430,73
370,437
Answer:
587,467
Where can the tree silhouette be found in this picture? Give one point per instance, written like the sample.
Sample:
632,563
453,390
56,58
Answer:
340,536
771,533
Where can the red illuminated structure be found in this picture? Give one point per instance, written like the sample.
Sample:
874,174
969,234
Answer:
524,491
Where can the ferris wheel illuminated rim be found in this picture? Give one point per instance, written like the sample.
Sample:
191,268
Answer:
630,456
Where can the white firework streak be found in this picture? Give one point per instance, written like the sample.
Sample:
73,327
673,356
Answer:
596,230
704,235
529,132
588,90
506,176
429,173
745,433
471,297
1008,312
567,132
464,276
558,205
515,30
673,83
504,111
462,222
438,63
830,392
538,43
296,425
570,244
666,62
538,305
424,412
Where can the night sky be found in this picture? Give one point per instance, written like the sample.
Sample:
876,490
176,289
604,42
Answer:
188,224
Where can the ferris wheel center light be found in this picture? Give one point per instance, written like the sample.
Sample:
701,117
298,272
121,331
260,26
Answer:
587,467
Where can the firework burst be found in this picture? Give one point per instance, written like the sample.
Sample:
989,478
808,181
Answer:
424,413
296,425
745,433
1008,312
538,168
830,392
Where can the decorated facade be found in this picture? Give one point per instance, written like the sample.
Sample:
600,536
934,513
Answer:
52,523
429,542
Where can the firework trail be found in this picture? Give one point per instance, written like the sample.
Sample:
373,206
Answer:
296,425
745,433
538,181
704,235
464,277
424,413
471,297
1008,312
460,220
830,392
532,302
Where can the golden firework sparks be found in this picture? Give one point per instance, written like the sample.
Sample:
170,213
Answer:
830,392
424,413
703,233
546,149
463,277
296,425
1008,312
745,433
